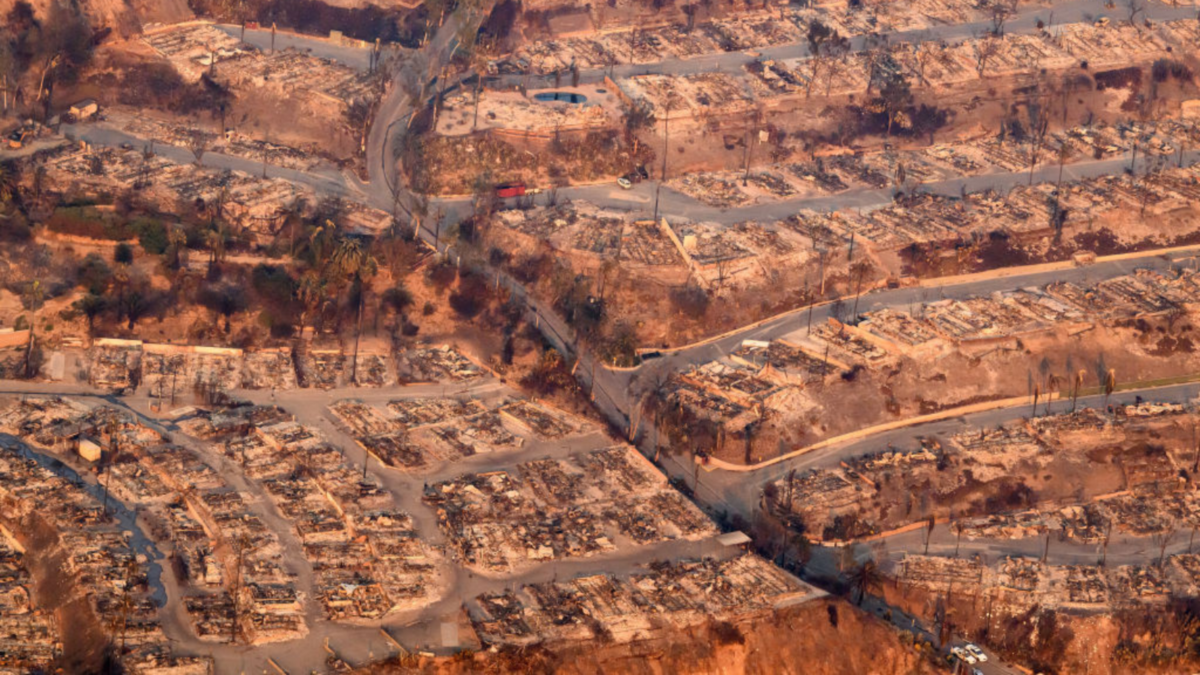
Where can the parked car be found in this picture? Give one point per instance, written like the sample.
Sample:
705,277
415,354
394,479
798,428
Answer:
975,651
624,183
962,655
506,190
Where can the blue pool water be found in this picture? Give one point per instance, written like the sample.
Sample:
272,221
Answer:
568,97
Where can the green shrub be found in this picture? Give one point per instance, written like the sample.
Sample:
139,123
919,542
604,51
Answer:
151,233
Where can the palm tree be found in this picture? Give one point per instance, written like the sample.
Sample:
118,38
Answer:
34,295
215,240
865,578
176,246
319,240
1078,386
309,291
353,261
420,211
479,62
1053,384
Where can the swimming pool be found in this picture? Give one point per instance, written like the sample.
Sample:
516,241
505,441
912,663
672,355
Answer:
566,96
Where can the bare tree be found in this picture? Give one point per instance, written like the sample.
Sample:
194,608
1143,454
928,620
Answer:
1163,539
1133,8
198,144
1039,126
983,50
1000,14
926,53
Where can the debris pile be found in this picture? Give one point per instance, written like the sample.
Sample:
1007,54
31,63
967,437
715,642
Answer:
668,595
503,521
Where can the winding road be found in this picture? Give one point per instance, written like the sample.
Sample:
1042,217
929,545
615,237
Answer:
618,392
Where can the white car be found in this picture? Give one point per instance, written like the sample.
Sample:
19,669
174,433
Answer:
624,183
962,655
975,651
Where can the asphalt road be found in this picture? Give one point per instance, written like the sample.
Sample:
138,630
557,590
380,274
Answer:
739,492
329,183
1024,22
675,204
626,386
358,644
908,622
736,492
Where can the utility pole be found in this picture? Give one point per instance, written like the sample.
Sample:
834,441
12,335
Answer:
666,147
362,291
104,473
857,293
811,302
821,256
750,148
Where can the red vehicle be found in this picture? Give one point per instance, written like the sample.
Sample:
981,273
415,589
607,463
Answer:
506,190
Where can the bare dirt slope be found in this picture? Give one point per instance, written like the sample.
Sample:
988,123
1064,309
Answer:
55,591
124,17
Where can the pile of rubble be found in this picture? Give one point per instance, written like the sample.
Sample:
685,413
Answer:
367,559
29,639
1025,212
82,171
605,606
503,521
688,98
269,369
1024,582
748,29
1007,316
843,503
171,370
197,49
514,112
233,143
435,364
114,364
794,362
106,565
208,525
182,368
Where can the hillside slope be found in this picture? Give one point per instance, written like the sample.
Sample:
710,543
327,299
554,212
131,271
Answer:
124,17
824,637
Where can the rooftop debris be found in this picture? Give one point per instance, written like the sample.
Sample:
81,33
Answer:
502,521
667,594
